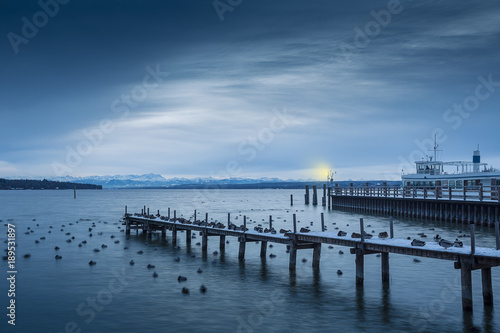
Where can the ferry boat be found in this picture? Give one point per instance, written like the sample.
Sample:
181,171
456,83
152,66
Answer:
456,174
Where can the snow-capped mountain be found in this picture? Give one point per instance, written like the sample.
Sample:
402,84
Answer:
157,180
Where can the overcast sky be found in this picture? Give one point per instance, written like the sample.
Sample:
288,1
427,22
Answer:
248,88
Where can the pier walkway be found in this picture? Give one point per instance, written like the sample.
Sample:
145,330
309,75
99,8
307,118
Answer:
466,259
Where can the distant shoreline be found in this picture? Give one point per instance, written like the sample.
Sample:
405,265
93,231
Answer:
31,184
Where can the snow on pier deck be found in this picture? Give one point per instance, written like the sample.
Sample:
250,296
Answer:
466,258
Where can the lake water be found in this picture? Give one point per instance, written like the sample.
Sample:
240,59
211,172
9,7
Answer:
69,295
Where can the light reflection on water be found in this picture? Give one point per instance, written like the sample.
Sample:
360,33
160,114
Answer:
256,295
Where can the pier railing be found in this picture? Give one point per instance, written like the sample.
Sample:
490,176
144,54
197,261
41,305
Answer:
466,193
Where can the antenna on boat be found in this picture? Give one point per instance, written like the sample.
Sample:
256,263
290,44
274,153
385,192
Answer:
435,148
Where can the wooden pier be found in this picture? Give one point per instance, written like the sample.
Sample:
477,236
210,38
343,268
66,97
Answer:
475,205
466,259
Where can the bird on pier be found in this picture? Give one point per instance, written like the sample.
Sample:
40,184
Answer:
445,243
437,238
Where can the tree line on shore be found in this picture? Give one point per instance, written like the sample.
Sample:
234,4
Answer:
32,184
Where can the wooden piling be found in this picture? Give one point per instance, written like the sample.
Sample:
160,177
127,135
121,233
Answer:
204,240
168,213
360,267
391,227
188,237
322,222
291,199
164,232
292,264
316,255
497,235
270,221
466,281
362,230
74,192
294,224
385,267
194,216
263,249
487,286
315,195
175,214
329,197
241,253
306,196
222,243
323,199
472,239
174,235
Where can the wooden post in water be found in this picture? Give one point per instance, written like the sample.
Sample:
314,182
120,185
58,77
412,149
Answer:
242,240
164,232
188,237
362,229
194,216
228,220
315,195
466,281
360,258
487,286
174,234
360,266
222,243
168,213
175,214
270,221
74,191
127,223
497,235
322,222
292,264
291,199
316,255
329,197
472,239
323,200
263,249
306,196
391,227
385,267
204,236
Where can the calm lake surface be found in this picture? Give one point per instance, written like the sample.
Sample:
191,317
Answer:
69,295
